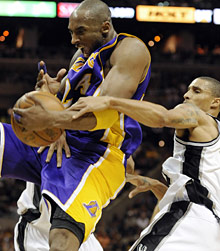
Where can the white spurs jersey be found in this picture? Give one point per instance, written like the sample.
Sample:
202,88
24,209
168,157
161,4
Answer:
194,173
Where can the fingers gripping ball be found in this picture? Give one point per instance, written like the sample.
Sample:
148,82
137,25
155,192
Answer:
37,138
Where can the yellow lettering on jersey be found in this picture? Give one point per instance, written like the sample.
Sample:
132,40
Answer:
67,102
78,64
84,83
91,59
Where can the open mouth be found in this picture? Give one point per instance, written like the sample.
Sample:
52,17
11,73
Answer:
84,51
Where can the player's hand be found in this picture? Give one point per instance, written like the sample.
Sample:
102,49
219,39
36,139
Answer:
33,118
90,104
142,184
57,146
47,83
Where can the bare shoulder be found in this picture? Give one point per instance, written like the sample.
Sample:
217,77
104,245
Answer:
132,48
192,111
189,108
202,127
134,42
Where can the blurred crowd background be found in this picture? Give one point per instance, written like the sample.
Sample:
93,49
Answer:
180,53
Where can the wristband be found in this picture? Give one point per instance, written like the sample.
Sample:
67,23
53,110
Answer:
105,119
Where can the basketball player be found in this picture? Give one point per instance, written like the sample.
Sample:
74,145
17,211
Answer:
100,143
190,209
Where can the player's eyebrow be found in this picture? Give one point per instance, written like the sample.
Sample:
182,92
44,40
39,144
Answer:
196,88
77,29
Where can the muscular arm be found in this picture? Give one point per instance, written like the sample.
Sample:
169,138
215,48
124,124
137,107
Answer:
181,117
184,116
129,62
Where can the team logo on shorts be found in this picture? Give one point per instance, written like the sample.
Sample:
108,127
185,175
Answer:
92,207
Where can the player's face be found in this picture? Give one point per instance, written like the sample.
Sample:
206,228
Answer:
199,94
86,34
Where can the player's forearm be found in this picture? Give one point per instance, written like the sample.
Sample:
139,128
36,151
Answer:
159,189
63,120
147,113
156,210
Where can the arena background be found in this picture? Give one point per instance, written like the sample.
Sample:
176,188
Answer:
184,44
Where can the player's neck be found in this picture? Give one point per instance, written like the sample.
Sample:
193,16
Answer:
111,35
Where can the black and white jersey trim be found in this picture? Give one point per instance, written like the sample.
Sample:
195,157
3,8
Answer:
196,192
162,228
193,143
29,216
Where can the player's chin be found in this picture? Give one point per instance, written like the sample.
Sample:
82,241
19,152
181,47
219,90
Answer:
87,51
86,54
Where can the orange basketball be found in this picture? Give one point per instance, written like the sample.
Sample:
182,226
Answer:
37,138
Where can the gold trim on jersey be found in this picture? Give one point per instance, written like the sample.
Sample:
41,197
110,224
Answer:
91,59
78,64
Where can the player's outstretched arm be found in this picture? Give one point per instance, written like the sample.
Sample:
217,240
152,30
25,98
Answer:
150,114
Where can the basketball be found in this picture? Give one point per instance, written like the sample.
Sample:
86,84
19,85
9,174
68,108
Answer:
37,138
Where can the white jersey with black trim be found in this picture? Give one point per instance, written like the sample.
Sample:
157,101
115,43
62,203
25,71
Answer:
194,173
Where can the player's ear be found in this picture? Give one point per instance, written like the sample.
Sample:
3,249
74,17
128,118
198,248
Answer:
215,103
105,28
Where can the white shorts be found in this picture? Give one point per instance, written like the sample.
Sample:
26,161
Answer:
35,240
181,227
34,226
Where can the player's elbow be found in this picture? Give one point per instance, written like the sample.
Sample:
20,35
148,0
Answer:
161,123
158,120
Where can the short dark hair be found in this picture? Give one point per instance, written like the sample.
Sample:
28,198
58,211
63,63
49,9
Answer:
99,10
215,85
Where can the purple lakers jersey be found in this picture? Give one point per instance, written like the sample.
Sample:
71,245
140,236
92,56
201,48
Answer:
85,78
